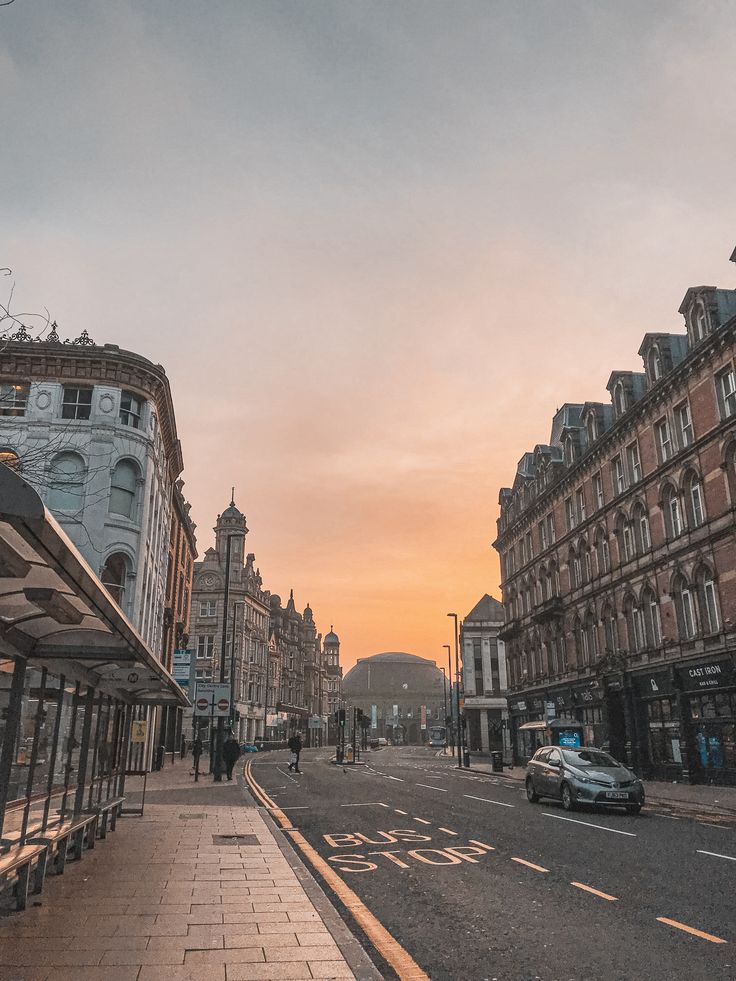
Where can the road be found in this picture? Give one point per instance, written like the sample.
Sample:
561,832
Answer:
476,883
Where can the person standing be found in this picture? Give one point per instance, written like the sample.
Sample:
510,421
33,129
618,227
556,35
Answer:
196,755
295,745
230,754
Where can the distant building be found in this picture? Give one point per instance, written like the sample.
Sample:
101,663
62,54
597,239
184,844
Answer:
618,559
399,692
484,677
332,680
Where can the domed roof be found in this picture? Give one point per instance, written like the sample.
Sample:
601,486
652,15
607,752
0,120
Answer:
392,671
331,637
396,656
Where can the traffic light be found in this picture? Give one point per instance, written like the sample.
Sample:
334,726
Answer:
341,717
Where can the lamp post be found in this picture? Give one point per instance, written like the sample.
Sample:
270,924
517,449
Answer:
444,685
460,737
219,761
236,604
449,674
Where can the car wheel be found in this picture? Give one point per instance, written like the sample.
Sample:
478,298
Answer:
568,798
633,808
531,795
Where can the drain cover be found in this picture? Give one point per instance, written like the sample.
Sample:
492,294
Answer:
191,817
235,839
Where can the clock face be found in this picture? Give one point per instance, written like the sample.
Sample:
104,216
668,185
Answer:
209,580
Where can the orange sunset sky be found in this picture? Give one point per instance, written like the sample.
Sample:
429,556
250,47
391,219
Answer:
374,245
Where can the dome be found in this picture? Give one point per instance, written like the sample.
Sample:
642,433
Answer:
393,671
331,637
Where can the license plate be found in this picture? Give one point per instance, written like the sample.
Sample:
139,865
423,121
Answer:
616,795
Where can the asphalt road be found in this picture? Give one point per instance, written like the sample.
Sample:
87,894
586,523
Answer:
476,883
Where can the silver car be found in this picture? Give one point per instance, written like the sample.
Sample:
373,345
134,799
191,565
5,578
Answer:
582,776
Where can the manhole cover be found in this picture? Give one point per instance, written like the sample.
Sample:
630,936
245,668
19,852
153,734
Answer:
191,817
235,839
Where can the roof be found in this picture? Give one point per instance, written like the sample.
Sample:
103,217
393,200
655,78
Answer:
55,612
395,656
487,608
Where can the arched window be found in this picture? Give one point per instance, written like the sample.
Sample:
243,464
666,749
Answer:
708,602
591,428
655,363
652,619
591,633
698,322
545,583
610,628
694,500
576,574
619,398
10,458
624,538
115,576
640,521
634,623
603,557
581,644
672,512
66,482
123,488
682,592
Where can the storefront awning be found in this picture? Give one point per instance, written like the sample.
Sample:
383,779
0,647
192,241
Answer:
55,612
533,725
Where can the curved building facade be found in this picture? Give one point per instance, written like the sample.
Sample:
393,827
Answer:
402,694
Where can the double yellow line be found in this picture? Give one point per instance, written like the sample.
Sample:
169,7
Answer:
390,949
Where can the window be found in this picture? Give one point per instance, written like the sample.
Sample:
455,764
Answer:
66,482
694,500
685,608
551,528
641,528
624,538
634,624
672,514
580,503
619,478
76,403
652,621
569,513
698,322
529,546
684,424
11,459
726,391
131,409
542,535
208,608
664,439
598,490
13,398
122,488
205,646
619,399
591,428
609,624
634,461
577,577
115,575
591,634
708,602
603,556
655,364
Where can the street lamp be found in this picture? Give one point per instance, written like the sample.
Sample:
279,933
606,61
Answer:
219,767
460,737
449,674
236,604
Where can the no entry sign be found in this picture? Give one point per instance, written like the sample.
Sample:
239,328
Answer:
213,699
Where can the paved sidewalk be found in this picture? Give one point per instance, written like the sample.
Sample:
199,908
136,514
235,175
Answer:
717,800
160,900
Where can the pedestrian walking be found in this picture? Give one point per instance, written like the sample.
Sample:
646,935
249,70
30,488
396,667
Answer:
230,754
295,745
196,755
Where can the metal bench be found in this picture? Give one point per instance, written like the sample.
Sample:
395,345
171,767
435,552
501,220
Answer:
19,863
108,810
68,837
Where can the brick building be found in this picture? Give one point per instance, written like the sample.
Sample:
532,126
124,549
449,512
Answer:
618,559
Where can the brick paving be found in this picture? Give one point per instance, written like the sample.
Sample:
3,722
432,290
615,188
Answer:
159,901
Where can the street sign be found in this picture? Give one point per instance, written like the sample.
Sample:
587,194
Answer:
550,711
423,717
315,722
181,666
212,698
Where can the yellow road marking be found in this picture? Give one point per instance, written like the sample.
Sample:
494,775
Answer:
422,821
448,832
390,949
595,892
481,844
688,929
530,865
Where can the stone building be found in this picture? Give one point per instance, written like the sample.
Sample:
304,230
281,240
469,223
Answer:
247,623
402,694
618,556
92,428
484,677
332,681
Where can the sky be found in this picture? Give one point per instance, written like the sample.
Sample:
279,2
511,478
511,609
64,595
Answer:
374,243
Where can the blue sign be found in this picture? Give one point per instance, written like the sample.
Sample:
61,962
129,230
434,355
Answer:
181,667
570,738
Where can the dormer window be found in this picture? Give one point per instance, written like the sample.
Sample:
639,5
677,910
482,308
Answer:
698,322
569,450
619,399
655,364
591,427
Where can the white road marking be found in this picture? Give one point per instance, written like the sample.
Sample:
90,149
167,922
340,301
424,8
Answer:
405,813
287,775
487,800
389,777
716,855
366,803
707,824
422,821
296,807
448,832
441,789
587,824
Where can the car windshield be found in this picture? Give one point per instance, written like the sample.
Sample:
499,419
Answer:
589,757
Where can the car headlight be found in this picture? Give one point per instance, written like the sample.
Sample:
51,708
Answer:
580,778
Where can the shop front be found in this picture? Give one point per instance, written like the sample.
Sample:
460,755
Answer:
708,706
78,687
525,741
658,752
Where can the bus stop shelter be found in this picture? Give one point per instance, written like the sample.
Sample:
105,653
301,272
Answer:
74,676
